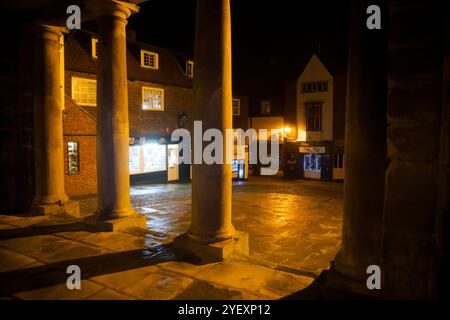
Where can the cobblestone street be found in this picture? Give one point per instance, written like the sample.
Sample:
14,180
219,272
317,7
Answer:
294,229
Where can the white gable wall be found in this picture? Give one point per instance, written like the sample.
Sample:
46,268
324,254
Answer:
313,72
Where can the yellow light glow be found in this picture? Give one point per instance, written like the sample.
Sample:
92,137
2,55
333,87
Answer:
301,135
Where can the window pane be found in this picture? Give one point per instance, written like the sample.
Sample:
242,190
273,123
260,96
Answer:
84,91
236,107
134,159
73,158
152,99
154,157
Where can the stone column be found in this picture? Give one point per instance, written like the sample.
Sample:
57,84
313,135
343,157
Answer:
50,197
114,210
416,194
211,233
365,155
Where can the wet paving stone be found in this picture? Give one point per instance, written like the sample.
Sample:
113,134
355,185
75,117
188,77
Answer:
294,227
159,285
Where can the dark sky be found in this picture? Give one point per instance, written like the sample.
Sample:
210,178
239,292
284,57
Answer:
272,40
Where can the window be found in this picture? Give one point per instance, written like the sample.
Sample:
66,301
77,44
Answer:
338,160
149,157
265,107
190,69
236,107
317,86
149,59
94,47
152,99
313,116
73,158
312,162
84,91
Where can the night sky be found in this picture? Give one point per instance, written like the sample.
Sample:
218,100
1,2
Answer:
272,40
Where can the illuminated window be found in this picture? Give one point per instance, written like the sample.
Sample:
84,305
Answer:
236,107
313,116
190,69
134,159
152,99
265,107
84,91
317,86
94,47
149,59
312,162
149,157
73,158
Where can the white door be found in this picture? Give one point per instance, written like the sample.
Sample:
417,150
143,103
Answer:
172,162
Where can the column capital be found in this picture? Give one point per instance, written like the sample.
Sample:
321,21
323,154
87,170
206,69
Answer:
50,32
115,8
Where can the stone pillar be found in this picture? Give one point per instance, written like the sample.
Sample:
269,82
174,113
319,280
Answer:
211,234
417,137
50,197
114,210
365,150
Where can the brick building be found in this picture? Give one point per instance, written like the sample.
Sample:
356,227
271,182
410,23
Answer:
159,101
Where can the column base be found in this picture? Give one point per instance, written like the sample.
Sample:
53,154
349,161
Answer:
133,220
70,207
213,252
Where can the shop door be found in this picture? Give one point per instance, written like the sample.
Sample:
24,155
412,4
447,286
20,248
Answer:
172,162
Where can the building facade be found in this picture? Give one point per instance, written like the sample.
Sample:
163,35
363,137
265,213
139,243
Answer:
160,100
320,122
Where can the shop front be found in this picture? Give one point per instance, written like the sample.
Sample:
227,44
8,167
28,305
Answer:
316,162
155,160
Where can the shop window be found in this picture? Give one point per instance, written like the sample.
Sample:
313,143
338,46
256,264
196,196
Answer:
312,162
152,99
149,59
84,91
134,159
313,116
73,158
149,157
236,107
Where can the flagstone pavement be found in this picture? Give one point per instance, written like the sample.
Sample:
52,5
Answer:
294,227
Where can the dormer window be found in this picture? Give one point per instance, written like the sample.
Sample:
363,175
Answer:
149,59
94,48
265,107
190,68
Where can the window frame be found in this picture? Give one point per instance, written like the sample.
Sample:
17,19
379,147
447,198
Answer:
94,48
313,105
314,86
155,59
77,157
87,104
162,99
263,102
190,63
238,108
